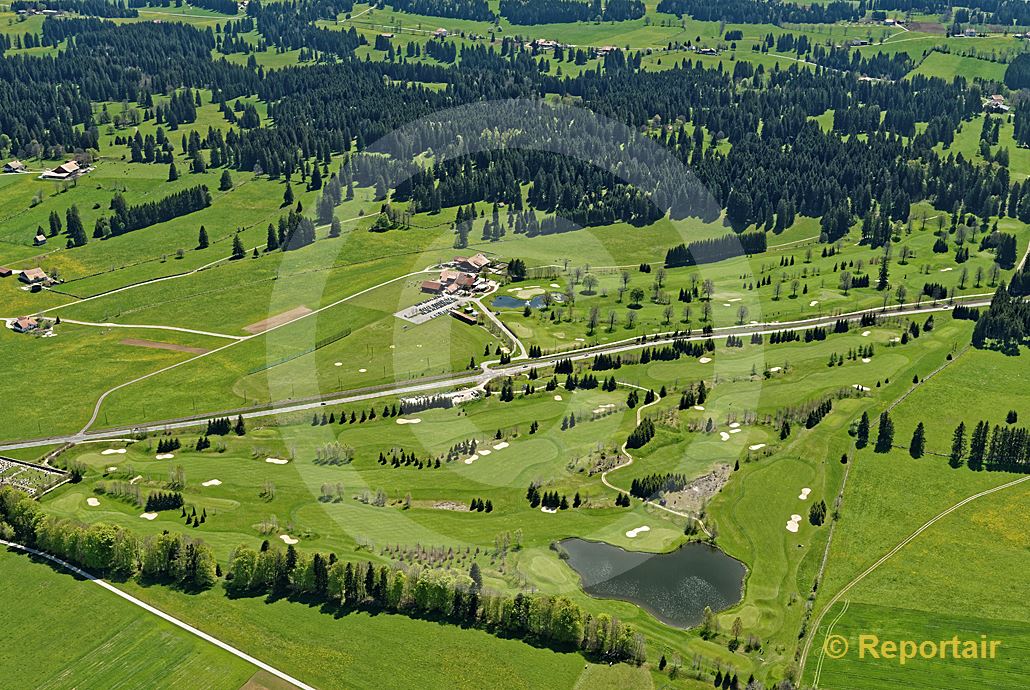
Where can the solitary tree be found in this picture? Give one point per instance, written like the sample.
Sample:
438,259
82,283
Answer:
225,184
238,251
202,240
918,444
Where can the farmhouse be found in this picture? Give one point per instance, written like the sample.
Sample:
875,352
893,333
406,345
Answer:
15,167
24,324
33,276
996,104
5,272
39,240
432,286
440,33
65,171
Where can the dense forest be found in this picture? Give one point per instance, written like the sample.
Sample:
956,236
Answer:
473,10
762,11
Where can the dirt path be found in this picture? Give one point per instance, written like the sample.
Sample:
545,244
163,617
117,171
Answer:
883,559
161,614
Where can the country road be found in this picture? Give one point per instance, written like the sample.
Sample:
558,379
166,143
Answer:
459,378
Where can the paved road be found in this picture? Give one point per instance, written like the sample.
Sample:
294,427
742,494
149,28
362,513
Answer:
161,614
474,379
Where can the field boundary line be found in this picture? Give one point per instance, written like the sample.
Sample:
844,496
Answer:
161,614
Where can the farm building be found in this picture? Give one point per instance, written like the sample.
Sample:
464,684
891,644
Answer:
39,240
24,324
33,276
15,167
462,316
473,264
5,272
65,171
432,286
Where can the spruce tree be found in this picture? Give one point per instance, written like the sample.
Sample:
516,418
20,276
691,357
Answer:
958,446
917,446
238,252
202,240
885,434
225,184
862,436
173,174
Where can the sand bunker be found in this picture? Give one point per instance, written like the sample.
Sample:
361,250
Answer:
277,320
558,398
634,532
945,270
865,334
135,479
699,407
362,371
471,459
113,451
737,299
757,446
164,456
792,524
337,364
138,342
93,502
813,303
866,360
112,468
735,425
555,285
211,482
735,431
804,493
724,436
501,446
484,452
415,420
896,339
288,539
860,387
148,516
276,461
776,369
705,360
529,293
545,509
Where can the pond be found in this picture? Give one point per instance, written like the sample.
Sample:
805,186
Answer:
674,587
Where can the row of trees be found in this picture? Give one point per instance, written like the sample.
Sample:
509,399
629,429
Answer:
435,593
107,549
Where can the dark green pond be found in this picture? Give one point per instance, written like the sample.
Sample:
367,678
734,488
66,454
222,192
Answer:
674,587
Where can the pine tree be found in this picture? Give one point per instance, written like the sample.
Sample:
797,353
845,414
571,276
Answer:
288,195
862,436
173,174
885,434
238,250
225,184
272,241
917,446
202,240
73,224
958,446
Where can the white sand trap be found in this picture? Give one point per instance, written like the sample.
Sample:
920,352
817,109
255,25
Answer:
414,420
545,509
726,304
148,516
795,517
337,364
776,369
860,387
558,398
276,461
634,532
804,493
737,299
555,285
792,526
288,539
735,431
164,456
866,360
699,407
705,360
608,405
581,340
393,347
135,479
866,334
735,425
112,468
501,446
212,482
484,452
813,303
945,270
896,339
598,410
757,446
362,371
113,451
92,502
471,459
724,436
